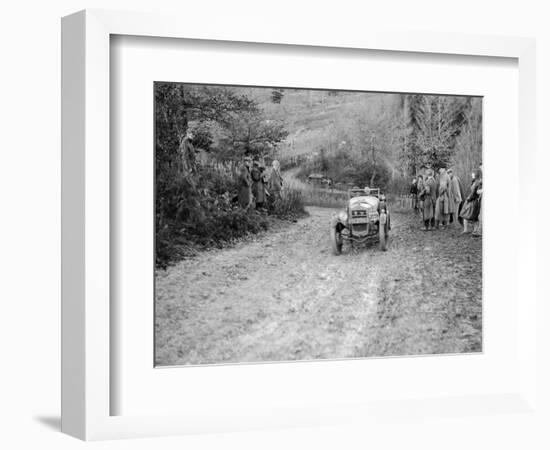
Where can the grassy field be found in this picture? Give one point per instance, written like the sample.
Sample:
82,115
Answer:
313,195
318,118
316,196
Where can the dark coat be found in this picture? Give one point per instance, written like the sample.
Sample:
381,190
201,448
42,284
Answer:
245,183
471,208
429,198
420,186
455,194
442,202
258,184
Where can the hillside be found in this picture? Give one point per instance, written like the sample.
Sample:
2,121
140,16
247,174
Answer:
318,119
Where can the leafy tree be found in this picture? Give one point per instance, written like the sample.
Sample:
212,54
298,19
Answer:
251,133
176,105
434,124
371,174
202,135
468,151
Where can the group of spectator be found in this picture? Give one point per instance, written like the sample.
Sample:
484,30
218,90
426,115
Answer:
441,200
256,185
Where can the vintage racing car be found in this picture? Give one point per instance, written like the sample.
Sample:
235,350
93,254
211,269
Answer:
366,218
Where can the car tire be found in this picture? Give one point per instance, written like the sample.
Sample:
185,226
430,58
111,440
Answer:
382,233
336,240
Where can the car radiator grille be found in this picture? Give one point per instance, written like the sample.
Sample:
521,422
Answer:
360,227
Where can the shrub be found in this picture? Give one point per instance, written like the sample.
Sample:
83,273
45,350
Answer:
289,206
223,226
202,213
217,228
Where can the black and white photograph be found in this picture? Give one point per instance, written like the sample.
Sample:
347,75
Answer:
298,224
257,226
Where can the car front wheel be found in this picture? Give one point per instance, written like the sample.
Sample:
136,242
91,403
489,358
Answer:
336,240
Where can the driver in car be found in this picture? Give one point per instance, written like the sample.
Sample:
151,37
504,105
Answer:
355,192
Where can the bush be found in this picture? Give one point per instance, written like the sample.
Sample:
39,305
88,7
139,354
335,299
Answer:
202,213
223,226
215,230
289,206
171,245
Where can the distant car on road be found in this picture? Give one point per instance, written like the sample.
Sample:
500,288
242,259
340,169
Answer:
366,218
315,178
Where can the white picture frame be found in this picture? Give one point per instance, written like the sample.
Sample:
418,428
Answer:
86,283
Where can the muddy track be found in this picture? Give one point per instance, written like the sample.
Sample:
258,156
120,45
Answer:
284,296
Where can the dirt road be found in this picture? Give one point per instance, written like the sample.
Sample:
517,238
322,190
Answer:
285,296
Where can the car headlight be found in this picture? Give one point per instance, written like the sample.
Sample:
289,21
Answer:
373,214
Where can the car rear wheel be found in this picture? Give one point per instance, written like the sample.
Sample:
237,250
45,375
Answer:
382,233
336,240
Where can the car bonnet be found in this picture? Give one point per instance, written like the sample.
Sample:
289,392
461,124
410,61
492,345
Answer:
364,202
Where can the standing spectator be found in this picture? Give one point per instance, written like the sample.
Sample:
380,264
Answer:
479,224
420,188
435,175
442,204
187,151
455,198
245,184
275,182
258,185
413,191
263,184
470,211
429,198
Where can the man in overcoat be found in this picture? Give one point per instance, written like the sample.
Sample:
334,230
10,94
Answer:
442,209
429,198
413,191
258,184
187,151
275,182
245,184
455,197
